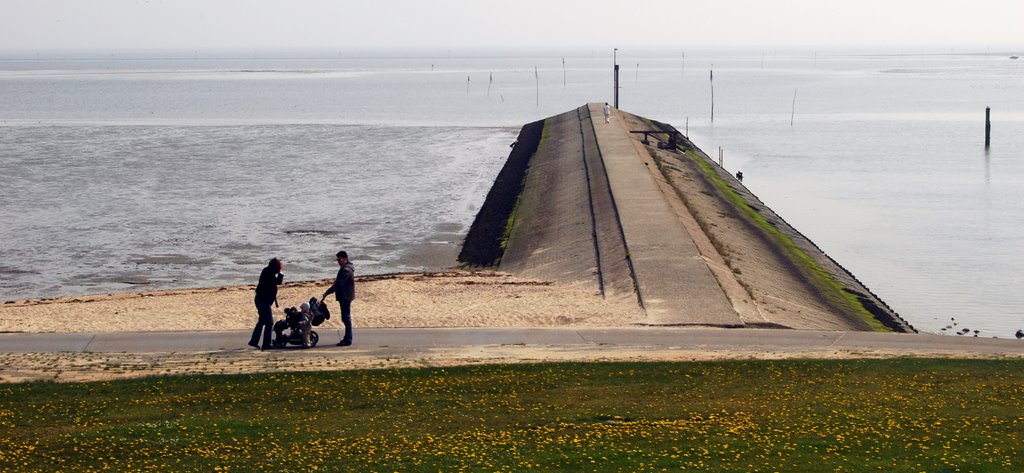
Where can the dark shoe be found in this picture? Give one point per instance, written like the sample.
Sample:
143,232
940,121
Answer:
344,343
254,344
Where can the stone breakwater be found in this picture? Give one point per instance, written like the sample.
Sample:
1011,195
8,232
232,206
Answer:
654,220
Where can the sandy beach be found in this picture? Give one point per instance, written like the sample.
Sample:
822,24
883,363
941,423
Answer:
440,299
452,299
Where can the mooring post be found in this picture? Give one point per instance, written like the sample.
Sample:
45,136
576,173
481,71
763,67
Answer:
988,125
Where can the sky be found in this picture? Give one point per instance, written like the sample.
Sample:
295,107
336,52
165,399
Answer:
544,24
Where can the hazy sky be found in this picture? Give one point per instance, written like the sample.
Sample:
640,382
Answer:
453,24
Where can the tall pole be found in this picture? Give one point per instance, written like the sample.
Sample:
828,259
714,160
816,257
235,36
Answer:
615,63
616,86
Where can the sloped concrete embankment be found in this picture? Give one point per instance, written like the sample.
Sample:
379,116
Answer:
550,214
578,203
485,241
845,282
566,228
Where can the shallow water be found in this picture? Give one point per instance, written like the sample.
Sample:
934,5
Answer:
101,208
124,174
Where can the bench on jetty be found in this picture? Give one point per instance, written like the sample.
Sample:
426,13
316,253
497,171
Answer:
670,143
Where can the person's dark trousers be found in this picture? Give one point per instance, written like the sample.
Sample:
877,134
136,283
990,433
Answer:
346,318
266,323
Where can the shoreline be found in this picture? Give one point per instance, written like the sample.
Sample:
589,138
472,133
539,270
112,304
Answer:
452,298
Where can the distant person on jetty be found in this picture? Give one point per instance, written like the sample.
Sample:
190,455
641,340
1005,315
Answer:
344,289
739,176
266,294
607,112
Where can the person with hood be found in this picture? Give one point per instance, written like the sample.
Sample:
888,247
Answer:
266,294
344,290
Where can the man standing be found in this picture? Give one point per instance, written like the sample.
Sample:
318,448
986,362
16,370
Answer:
344,289
607,112
266,294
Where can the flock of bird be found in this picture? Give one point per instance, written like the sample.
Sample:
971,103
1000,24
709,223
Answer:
965,331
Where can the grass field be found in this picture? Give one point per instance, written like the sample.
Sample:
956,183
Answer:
863,415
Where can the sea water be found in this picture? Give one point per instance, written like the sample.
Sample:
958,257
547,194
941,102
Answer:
148,170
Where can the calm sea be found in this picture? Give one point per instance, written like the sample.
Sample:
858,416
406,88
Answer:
146,171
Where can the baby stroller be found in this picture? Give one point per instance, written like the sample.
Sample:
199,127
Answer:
310,315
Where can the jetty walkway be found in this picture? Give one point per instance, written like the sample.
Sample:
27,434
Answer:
591,211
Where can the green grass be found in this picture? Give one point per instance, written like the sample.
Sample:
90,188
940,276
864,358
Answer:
832,288
863,415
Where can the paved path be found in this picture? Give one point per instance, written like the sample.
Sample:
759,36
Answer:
591,211
674,283
403,341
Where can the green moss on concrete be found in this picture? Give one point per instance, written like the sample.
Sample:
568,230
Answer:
510,223
485,242
818,275
514,214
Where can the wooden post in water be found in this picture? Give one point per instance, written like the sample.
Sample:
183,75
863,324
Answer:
536,77
712,80
793,112
988,125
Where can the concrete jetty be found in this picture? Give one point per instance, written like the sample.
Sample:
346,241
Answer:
598,206
590,211
674,285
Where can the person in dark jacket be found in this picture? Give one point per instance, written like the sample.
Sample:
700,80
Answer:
344,290
266,295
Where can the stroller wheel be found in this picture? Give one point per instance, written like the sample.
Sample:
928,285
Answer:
280,342
313,338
